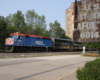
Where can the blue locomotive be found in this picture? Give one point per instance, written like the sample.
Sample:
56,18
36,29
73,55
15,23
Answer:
24,42
18,42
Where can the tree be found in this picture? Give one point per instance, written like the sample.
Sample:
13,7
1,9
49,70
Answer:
8,20
37,22
53,29
93,45
27,30
18,20
31,17
56,31
3,26
10,29
46,33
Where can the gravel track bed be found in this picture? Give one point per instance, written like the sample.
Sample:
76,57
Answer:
4,54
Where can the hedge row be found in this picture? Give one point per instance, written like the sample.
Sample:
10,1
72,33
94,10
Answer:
91,71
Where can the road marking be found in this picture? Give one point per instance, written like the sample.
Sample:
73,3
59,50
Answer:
66,75
60,71
39,78
29,77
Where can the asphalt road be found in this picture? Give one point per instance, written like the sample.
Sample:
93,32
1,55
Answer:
42,68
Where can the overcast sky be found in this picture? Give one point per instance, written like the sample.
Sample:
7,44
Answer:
52,9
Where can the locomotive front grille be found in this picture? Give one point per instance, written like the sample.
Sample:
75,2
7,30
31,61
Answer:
9,41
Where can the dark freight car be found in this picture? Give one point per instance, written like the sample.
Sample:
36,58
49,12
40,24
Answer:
62,44
77,46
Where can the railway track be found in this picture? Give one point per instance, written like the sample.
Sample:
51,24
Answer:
27,54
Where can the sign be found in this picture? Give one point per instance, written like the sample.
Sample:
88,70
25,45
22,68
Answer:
39,43
88,22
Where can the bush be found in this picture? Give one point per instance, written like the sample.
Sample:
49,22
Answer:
91,71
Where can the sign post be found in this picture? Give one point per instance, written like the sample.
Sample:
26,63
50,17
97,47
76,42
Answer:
83,50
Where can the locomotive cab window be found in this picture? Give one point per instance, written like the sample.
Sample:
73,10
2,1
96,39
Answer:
14,36
20,37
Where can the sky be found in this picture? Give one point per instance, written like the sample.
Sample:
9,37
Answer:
51,9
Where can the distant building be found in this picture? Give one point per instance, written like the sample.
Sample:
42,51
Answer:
83,21
70,21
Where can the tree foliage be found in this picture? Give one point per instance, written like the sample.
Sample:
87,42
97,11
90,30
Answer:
93,45
9,21
3,26
18,20
38,23
27,30
10,29
31,17
56,31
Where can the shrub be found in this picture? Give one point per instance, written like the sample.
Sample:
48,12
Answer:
90,71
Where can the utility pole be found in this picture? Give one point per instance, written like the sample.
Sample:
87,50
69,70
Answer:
76,33
75,16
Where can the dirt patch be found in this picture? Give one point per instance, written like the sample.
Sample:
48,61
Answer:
93,55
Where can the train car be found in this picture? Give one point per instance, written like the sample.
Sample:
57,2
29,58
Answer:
77,46
25,42
62,44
